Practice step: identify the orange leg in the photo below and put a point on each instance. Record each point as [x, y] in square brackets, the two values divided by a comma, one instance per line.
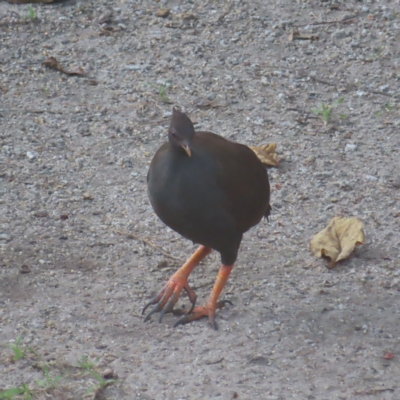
[169, 295]
[208, 310]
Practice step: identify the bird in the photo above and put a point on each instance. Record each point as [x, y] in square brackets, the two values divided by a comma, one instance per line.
[211, 191]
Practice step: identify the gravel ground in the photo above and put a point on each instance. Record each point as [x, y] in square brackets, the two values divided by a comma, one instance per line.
[82, 250]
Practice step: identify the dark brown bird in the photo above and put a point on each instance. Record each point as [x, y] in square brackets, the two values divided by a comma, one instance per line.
[211, 191]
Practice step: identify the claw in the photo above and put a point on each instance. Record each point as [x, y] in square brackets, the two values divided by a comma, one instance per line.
[200, 312]
[154, 310]
[169, 295]
[168, 308]
[160, 299]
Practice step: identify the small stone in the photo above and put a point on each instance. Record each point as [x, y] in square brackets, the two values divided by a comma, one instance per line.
[389, 15]
[87, 196]
[371, 178]
[346, 17]
[339, 34]
[108, 373]
[132, 67]
[387, 285]
[63, 217]
[350, 147]
[24, 269]
[31, 155]
[41, 214]
[127, 163]
[5, 236]
[395, 183]
[211, 96]
[258, 121]
[83, 129]
[162, 12]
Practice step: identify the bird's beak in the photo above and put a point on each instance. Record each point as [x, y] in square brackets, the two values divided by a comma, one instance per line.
[186, 147]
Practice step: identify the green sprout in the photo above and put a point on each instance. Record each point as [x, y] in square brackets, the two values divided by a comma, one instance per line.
[325, 111]
[31, 13]
[19, 350]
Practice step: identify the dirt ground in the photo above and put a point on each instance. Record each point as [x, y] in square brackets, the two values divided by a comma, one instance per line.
[82, 250]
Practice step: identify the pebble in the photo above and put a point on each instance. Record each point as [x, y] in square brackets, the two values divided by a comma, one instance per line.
[41, 214]
[371, 178]
[87, 196]
[31, 155]
[5, 236]
[350, 147]
[108, 373]
[339, 34]
[389, 15]
[131, 67]
[211, 96]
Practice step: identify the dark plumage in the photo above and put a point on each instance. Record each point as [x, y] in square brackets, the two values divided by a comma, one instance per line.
[210, 190]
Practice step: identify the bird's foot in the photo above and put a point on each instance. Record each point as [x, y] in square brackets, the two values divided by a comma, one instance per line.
[200, 312]
[169, 295]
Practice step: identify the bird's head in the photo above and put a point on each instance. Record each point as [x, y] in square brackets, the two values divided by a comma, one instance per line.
[181, 131]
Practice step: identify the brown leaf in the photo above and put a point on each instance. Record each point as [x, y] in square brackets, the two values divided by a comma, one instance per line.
[187, 16]
[338, 239]
[266, 154]
[162, 12]
[52, 63]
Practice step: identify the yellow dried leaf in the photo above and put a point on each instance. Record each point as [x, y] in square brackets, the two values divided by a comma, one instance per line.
[338, 239]
[162, 12]
[267, 154]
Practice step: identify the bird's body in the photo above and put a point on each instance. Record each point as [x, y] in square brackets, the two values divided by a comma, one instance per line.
[205, 207]
[210, 190]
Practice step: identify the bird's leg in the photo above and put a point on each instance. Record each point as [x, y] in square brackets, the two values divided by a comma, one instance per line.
[212, 303]
[169, 295]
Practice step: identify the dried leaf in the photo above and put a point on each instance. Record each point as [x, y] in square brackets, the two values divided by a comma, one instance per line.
[266, 154]
[338, 239]
[52, 63]
[187, 16]
[162, 12]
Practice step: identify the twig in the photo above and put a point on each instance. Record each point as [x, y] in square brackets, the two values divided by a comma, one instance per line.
[336, 21]
[378, 92]
[131, 235]
[373, 391]
[322, 81]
